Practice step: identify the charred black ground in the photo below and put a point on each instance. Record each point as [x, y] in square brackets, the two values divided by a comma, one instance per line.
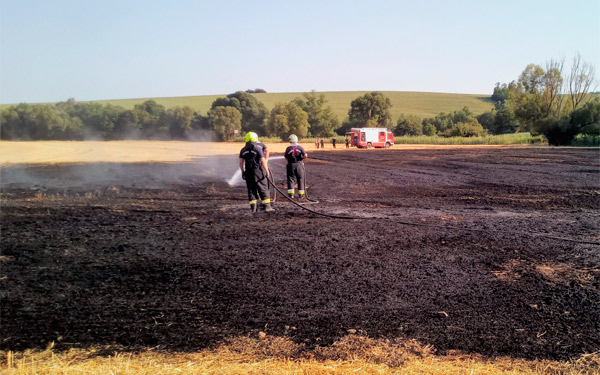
[186, 265]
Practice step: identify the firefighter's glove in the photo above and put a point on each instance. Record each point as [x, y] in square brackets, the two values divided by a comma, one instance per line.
[244, 175]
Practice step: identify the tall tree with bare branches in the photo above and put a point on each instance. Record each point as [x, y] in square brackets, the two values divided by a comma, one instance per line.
[580, 82]
[545, 101]
[553, 86]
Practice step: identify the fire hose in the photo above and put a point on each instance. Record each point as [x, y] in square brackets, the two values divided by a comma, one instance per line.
[273, 189]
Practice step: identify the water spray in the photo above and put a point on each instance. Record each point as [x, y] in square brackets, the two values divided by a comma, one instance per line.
[236, 179]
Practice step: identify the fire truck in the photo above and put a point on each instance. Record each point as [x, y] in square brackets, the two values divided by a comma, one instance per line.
[371, 137]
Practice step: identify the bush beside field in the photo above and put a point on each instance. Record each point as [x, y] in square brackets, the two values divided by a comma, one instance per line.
[502, 139]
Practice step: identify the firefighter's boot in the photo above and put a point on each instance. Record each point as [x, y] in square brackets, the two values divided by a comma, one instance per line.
[253, 206]
[268, 207]
[291, 196]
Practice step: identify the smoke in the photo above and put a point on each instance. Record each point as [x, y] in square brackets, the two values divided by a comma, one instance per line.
[200, 136]
[194, 163]
[154, 175]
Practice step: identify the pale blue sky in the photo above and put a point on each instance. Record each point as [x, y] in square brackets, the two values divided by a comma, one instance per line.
[56, 49]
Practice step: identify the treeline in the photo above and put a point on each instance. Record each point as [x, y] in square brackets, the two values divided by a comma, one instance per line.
[72, 120]
[228, 118]
[548, 101]
[542, 101]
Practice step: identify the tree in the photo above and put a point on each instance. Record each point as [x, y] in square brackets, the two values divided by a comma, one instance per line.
[540, 101]
[127, 126]
[528, 106]
[226, 122]
[200, 122]
[179, 120]
[553, 83]
[99, 121]
[371, 110]
[500, 120]
[561, 131]
[322, 121]
[38, 121]
[408, 125]
[505, 121]
[580, 82]
[286, 119]
[429, 129]
[445, 122]
[532, 79]
[441, 122]
[12, 122]
[500, 92]
[149, 117]
[470, 128]
[487, 120]
[253, 112]
[587, 118]
[345, 127]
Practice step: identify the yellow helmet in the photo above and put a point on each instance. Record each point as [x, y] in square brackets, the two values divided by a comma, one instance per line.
[251, 137]
[293, 138]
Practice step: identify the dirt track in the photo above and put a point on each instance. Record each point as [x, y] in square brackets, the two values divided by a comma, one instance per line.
[503, 258]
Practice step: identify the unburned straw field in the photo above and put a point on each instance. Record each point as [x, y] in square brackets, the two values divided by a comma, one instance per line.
[484, 250]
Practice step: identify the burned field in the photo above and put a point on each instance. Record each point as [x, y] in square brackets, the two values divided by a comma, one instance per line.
[486, 250]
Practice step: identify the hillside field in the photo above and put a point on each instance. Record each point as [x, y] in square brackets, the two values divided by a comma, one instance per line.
[422, 104]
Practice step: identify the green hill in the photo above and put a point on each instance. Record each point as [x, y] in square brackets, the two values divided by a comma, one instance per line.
[422, 104]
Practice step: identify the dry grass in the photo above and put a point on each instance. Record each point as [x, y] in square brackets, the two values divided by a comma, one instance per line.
[277, 355]
[52, 152]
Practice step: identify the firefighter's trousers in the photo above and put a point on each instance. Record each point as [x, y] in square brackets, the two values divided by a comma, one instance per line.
[258, 185]
[295, 173]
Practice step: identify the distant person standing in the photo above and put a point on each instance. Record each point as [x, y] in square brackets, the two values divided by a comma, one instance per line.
[333, 142]
[322, 143]
[347, 142]
[317, 142]
[294, 155]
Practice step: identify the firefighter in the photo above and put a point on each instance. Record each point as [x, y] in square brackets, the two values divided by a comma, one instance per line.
[295, 167]
[253, 164]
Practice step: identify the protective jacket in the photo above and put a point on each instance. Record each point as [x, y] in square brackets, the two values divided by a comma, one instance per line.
[254, 174]
[294, 155]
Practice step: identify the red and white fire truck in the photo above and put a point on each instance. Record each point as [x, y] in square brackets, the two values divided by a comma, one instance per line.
[371, 137]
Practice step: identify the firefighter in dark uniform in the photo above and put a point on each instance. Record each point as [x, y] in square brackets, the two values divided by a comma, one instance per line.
[295, 167]
[255, 171]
